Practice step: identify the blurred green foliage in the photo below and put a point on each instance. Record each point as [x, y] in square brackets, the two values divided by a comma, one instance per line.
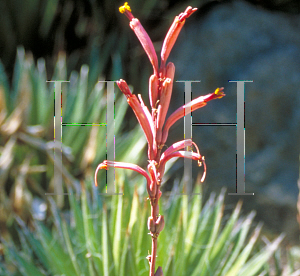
[109, 237]
[27, 133]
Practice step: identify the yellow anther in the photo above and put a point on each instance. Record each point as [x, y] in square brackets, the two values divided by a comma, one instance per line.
[220, 92]
[217, 91]
[124, 8]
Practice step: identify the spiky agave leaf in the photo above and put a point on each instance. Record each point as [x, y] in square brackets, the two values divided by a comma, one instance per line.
[26, 131]
[110, 238]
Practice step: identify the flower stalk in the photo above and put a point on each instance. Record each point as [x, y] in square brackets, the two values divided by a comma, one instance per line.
[154, 123]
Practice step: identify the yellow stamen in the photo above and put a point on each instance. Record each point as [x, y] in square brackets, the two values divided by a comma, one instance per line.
[124, 8]
[178, 21]
[103, 166]
[217, 92]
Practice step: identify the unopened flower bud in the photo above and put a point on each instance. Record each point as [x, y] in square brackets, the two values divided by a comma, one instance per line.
[160, 224]
[165, 96]
[153, 90]
[151, 189]
[151, 224]
[159, 272]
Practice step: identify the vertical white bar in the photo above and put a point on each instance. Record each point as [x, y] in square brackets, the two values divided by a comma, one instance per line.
[187, 174]
[58, 180]
[57, 177]
[240, 140]
[110, 136]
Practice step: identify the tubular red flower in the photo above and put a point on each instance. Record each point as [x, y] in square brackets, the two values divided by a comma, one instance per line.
[164, 100]
[124, 88]
[147, 113]
[153, 90]
[105, 164]
[184, 154]
[146, 42]
[165, 97]
[166, 93]
[152, 152]
[173, 34]
[158, 132]
[142, 35]
[152, 170]
[193, 105]
[177, 146]
[142, 114]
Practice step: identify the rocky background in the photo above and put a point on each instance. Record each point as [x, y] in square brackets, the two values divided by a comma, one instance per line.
[237, 40]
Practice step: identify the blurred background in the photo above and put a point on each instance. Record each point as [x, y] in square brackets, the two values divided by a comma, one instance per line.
[86, 41]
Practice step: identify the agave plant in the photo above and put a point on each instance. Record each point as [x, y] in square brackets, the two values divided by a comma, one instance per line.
[107, 236]
[27, 133]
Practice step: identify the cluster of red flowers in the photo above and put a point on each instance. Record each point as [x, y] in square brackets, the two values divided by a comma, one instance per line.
[154, 123]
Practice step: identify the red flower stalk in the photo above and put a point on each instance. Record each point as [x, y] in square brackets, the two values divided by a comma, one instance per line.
[155, 125]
